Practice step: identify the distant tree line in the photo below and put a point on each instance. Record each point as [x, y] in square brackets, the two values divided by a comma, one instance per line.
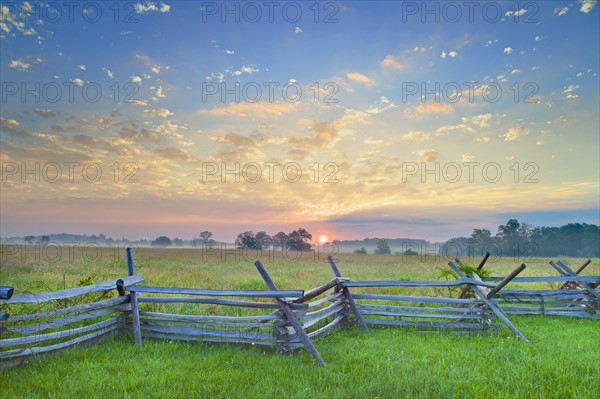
[525, 240]
[297, 240]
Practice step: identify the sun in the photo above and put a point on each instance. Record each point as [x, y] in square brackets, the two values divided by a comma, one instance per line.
[323, 239]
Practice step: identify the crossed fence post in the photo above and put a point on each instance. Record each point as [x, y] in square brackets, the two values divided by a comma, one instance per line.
[488, 296]
[291, 316]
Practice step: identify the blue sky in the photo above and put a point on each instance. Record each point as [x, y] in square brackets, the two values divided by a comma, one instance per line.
[417, 142]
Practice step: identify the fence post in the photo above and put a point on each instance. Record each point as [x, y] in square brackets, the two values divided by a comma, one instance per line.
[492, 306]
[348, 296]
[291, 316]
[135, 313]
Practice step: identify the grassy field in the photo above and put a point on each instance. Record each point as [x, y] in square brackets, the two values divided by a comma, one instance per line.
[561, 360]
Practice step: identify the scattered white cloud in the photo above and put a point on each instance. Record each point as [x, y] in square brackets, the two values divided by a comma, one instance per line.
[163, 112]
[82, 67]
[136, 79]
[134, 101]
[516, 13]
[538, 38]
[587, 5]
[481, 120]
[389, 61]
[297, 30]
[569, 92]
[18, 64]
[416, 136]
[143, 8]
[77, 81]
[508, 50]
[430, 108]
[561, 11]
[245, 69]
[110, 73]
[229, 52]
[159, 92]
[515, 71]
[515, 133]
[467, 158]
[359, 78]
[428, 155]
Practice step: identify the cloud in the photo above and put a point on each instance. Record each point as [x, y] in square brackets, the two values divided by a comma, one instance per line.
[173, 153]
[467, 158]
[297, 30]
[138, 102]
[245, 69]
[20, 65]
[569, 92]
[461, 127]
[416, 136]
[516, 13]
[82, 67]
[136, 79]
[143, 8]
[163, 112]
[297, 154]
[430, 108]
[561, 11]
[515, 71]
[508, 50]
[587, 5]
[359, 78]
[428, 155]
[481, 120]
[109, 73]
[45, 113]
[324, 134]
[229, 52]
[515, 133]
[391, 62]
[538, 38]
[255, 110]
[452, 54]
[77, 81]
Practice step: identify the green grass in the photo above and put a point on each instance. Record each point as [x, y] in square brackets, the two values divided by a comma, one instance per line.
[562, 359]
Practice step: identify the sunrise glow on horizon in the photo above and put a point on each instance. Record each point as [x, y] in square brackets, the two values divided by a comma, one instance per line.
[351, 119]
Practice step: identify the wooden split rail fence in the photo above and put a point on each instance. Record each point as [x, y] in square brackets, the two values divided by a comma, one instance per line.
[574, 295]
[35, 324]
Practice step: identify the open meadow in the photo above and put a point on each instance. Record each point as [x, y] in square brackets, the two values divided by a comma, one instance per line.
[561, 360]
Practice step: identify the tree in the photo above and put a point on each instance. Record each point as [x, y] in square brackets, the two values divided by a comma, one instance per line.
[279, 240]
[29, 239]
[45, 239]
[247, 240]
[410, 252]
[299, 240]
[162, 241]
[383, 248]
[480, 242]
[177, 242]
[263, 240]
[204, 239]
[361, 251]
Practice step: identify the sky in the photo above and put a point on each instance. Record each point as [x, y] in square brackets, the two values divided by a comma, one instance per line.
[350, 119]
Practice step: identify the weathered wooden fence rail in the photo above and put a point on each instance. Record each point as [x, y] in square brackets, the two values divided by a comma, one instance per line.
[66, 320]
[283, 319]
[577, 295]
